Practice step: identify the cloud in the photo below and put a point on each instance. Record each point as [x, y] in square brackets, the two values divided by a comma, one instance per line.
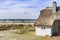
[23, 9]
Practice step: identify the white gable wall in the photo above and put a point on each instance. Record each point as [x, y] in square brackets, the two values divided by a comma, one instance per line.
[43, 32]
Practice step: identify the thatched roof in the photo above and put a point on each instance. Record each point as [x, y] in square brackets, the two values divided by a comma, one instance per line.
[47, 18]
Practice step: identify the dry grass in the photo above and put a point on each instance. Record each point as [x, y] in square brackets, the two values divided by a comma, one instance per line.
[19, 32]
[9, 35]
[10, 26]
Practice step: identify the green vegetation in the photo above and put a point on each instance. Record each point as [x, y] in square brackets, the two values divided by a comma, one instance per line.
[44, 38]
[19, 32]
[9, 35]
[11, 26]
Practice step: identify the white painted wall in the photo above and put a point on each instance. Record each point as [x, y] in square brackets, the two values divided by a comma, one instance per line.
[43, 32]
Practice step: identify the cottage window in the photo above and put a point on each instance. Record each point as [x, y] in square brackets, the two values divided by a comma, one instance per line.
[42, 27]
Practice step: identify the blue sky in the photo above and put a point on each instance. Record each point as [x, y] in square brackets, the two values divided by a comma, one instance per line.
[23, 9]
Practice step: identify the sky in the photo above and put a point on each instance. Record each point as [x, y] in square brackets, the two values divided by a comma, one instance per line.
[23, 9]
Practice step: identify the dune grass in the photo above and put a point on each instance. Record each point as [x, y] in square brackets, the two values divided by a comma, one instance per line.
[28, 36]
[44, 38]
[15, 32]
[11, 35]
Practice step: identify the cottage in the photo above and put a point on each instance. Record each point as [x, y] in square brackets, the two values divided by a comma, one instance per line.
[48, 22]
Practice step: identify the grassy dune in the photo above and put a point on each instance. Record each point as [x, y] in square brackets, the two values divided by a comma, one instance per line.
[10, 26]
[19, 32]
[10, 35]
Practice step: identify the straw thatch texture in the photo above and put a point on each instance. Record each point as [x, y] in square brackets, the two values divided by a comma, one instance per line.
[47, 18]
